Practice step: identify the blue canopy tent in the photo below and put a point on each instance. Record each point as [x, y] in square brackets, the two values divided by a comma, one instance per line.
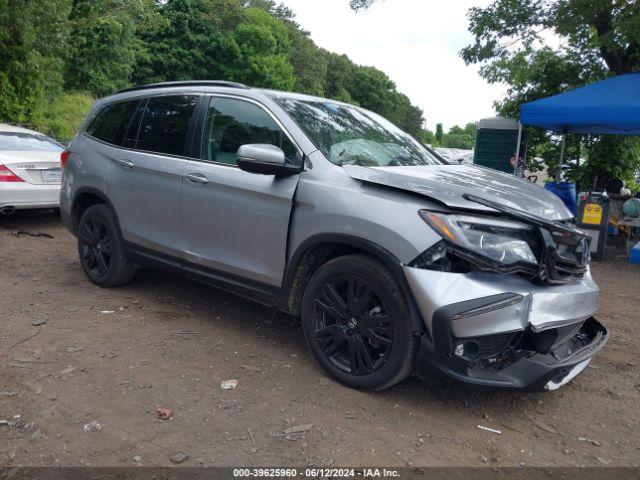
[611, 106]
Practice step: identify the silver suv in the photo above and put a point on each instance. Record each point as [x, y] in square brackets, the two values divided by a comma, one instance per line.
[395, 261]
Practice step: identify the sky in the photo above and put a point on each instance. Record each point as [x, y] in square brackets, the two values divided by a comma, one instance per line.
[416, 43]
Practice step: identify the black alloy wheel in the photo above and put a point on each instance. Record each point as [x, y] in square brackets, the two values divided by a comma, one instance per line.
[95, 245]
[101, 248]
[351, 325]
[357, 323]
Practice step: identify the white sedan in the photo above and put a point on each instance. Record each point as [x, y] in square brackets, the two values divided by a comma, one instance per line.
[30, 172]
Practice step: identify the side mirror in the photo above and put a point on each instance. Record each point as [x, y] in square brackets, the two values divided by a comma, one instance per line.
[262, 158]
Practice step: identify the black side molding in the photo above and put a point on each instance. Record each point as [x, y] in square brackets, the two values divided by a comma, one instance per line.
[250, 289]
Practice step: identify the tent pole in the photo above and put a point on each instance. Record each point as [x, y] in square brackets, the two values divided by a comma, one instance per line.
[517, 155]
[559, 169]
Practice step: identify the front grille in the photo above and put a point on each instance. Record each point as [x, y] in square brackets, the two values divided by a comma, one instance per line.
[492, 345]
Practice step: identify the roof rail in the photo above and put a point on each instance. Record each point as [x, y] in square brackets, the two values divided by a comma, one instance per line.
[186, 83]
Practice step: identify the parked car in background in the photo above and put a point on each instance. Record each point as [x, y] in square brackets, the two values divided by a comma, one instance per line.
[455, 155]
[30, 173]
[395, 261]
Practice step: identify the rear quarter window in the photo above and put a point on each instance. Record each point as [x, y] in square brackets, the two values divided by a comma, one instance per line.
[113, 121]
[165, 124]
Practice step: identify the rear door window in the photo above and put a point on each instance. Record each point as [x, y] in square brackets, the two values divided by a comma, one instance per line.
[232, 123]
[112, 122]
[132, 132]
[165, 124]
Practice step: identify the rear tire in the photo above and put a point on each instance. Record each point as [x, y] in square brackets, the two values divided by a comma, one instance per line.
[357, 323]
[101, 248]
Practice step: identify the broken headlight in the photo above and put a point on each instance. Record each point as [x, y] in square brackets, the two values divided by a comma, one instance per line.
[483, 240]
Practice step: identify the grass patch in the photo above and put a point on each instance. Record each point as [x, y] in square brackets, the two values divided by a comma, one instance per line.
[61, 118]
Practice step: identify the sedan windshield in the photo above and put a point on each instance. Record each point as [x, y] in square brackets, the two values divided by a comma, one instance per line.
[26, 142]
[349, 135]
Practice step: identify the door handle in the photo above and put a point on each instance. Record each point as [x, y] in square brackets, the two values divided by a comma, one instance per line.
[125, 164]
[197, 178]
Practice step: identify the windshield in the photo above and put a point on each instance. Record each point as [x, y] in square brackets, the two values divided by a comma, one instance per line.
[349, 135]
[26, 142]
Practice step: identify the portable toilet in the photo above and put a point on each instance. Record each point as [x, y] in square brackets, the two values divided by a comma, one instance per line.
[496, 143]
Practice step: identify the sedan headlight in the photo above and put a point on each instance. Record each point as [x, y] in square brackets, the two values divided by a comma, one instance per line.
[504, 242]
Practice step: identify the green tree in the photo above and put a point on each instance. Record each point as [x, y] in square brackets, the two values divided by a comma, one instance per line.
[407, 116]
[104, 46]
[459, 137]
[61, 116]
[598, 38]
[261, 50]
[225, 14]
[371, 89]
[52, 52]
[185, 46]
[310, 66]
[619, 155]
[427, 136]
[278, 10]
[339, 77]
[33, 35]
[361, 4]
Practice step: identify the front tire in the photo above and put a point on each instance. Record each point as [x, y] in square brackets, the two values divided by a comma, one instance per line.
[101, 248]
[357, 323]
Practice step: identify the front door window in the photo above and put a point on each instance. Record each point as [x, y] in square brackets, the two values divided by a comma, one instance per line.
[232, 123]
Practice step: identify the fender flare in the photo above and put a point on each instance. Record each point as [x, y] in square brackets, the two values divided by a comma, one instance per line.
[373, 249]
[96, 193]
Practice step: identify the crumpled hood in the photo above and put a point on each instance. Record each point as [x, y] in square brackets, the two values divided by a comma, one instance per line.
[448, 183]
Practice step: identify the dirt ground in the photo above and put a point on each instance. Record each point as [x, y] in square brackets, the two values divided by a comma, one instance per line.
[112, 356]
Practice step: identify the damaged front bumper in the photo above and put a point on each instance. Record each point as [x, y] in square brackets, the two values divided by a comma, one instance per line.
[522, 367]
[503, 331]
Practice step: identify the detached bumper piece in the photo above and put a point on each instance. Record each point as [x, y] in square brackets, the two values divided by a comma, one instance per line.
[524, 360]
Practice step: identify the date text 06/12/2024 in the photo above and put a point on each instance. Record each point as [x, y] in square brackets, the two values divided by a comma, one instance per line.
[316, 473]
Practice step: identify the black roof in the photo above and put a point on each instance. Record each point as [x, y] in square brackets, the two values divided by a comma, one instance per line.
[186, 83]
